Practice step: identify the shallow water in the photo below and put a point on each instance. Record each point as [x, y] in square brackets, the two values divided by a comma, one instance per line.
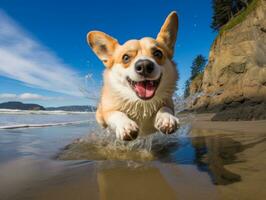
[10, 119]
[193, 164]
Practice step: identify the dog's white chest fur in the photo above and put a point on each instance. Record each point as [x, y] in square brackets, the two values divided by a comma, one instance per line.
[143, 114]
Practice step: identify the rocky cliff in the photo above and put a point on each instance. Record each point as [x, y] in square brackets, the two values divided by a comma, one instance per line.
[236, 72]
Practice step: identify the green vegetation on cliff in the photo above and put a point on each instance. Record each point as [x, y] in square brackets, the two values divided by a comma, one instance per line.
[228, 13]
[240, 17]
[225, 10]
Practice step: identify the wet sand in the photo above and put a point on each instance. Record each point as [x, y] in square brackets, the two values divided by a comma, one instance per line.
[251, 162]
[203, 121]
[208, 160]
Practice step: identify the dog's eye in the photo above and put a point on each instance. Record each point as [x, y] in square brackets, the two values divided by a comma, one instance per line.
[158, 54]
[126, 58]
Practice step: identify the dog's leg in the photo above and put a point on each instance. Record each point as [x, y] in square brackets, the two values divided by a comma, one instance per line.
[125, 128]
[165, 121]
[99, 117]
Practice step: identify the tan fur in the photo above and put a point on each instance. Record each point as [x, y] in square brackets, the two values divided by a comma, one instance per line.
[115, 96]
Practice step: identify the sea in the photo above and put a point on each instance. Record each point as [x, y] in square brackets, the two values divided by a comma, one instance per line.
[12, 119]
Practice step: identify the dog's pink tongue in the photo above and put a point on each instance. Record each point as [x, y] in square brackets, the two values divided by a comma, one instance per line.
[150, 89]
[140, 88]
[145, 89]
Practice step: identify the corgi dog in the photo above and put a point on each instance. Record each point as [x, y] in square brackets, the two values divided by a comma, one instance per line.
[138, 82]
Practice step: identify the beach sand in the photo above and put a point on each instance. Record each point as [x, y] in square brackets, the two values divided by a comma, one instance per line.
[207, 160]
[203, 121]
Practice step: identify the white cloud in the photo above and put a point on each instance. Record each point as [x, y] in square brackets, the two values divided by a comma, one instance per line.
[31, 96]
[23, 96]
[25, 59]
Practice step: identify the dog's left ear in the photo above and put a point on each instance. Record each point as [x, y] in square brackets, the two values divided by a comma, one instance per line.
[168, 32]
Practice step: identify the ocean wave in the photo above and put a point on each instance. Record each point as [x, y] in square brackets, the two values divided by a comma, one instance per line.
[42, 112]
[16, 126]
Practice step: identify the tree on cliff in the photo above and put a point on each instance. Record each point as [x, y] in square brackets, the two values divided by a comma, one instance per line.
[198, 65]
[186, 91]
[197, 68]
[224, 10]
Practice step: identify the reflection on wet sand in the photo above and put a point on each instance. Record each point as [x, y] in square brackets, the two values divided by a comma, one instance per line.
[231, 157]
[213, 153]
[131, 180]
[115, 180]
[129, 183]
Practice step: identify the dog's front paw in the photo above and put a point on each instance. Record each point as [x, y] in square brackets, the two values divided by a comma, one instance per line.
[127, 130]
[166, 123]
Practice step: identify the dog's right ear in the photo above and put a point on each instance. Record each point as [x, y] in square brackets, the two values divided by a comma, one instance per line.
[103, 46]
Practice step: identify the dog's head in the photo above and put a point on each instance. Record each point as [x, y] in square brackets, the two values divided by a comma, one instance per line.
[139, 69]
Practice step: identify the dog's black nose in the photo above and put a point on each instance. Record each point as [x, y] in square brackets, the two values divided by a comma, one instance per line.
[144, 67]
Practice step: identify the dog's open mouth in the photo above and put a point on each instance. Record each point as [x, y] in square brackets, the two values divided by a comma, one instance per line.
[144, 89]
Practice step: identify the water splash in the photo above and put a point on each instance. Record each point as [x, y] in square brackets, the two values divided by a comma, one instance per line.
[90, 88]
[103, 145]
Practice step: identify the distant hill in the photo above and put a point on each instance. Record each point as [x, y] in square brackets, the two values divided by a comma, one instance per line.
[73, 108]
[23, 106]
[20, 106]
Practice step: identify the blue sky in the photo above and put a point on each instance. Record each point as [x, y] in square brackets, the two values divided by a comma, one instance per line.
[44, 57]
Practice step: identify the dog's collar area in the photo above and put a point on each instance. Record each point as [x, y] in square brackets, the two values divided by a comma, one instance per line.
[145, 89]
